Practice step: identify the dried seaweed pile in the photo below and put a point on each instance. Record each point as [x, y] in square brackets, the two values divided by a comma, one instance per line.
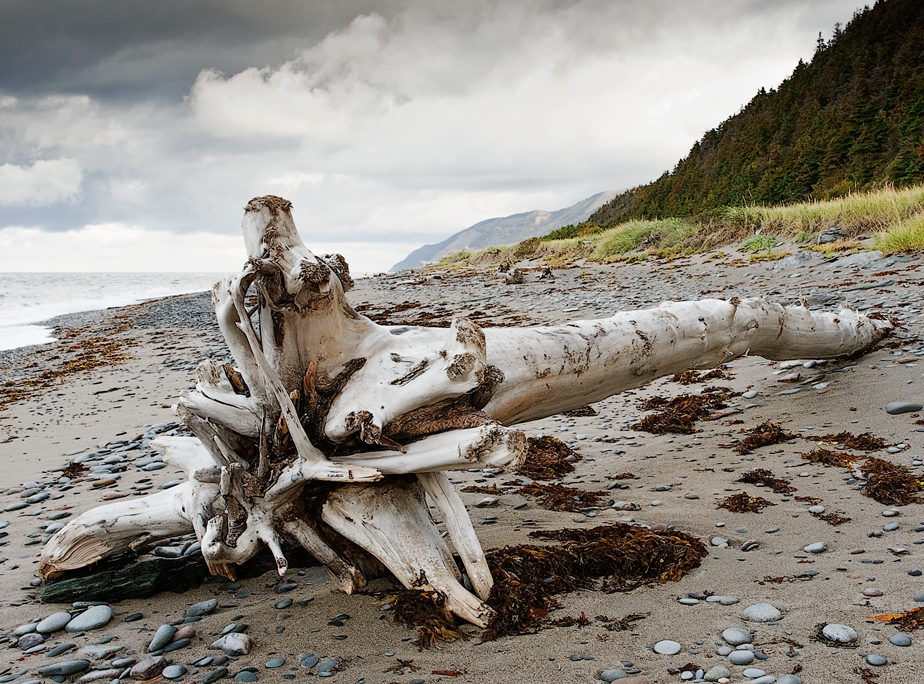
[906, 622]
[526, 577]
[426, 611]
[691, 377]
[581, 412]
[765, 477]
[556, 497]
[847, 440]
[832, 519]
[890, 484]
[762, 435]
[82, 355]
[838, 459]
[547, 458]
[677, 415]
[742, 503]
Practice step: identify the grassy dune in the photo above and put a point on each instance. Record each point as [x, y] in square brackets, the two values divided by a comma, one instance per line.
[893, 218]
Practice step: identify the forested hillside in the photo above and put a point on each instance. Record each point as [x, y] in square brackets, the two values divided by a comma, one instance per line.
[850, 120]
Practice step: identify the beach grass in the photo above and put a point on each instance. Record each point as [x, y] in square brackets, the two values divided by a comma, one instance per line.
[894, 218]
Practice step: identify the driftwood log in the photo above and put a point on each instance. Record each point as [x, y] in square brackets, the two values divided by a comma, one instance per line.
[335, 431]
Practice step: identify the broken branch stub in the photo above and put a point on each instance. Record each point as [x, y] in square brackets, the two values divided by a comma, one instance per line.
[334, 430]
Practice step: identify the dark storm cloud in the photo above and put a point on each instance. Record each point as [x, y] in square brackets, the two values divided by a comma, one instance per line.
[139, 48]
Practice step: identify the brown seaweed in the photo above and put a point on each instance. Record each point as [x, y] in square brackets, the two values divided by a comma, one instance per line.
[837, 459]
[765, 477]
[426, 611]
[762, 435]
[890, 484]
[832, 519]
[693, 376]
[527, 577]
[677, 415]
[556, 497]
[580, 412]
[742, 503]
[847, 440]
[547, 458]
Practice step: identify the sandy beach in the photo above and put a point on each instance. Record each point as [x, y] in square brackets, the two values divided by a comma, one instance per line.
[111, 379]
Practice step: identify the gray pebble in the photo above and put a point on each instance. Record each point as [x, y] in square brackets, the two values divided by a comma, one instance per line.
[741, 657]
[307, 660]
[162, 637]
[93, 617]
[173, 671]
[202, 608]
[27, 641]
[215, 675]
[716, 673]
[876, 660]
[839, 633]
[276, 662]
[789, 679]
[245, 676]
[234, 644]
[753, 672]
[609, 676]
[897, 407]
[817, 547]
[68, 667]
[900, 640]
[736, 636]
[761, 612]
[667, 647]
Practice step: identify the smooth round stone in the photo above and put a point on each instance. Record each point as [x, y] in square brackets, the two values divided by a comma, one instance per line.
[816, 509]
[173, 671]
[817, 547]
[872, 592]
[719, 541]
[68, 667]
[245, 676]
[307, 660]
[714, 674]
[162, 637]
[765, 679]
[842, 634]
[27, 641]
[724, 650]
[890, 527]
[276, 662]
[736, 636]
[24, 629]
[750, 394]
[234, 644]
[202, 608]
[610, 676]
[753, 673]
[789, 679]
[876, 660]
[688, 601]
[667, 647]
[741, 657]
[724, 600]
[900, 640]
[284, 603]
[761, 612]
[93, 617]
[896, 407]
[215, 675]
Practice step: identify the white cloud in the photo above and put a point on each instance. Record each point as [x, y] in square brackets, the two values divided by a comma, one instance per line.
[45, 182]
[117, 247]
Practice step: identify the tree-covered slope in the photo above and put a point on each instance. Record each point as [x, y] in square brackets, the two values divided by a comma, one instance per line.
[851, 120]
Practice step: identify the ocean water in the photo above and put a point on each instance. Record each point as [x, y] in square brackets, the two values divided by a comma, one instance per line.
[27, 299]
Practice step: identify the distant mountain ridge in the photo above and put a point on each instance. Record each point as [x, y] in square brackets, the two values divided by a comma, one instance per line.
[507, 230]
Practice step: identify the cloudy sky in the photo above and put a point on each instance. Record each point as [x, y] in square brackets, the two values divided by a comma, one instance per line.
[132, 133]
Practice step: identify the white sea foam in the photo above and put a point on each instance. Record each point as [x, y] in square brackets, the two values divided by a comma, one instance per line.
[30, 298]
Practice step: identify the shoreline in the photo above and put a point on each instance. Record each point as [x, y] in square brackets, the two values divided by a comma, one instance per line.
[687, 475]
